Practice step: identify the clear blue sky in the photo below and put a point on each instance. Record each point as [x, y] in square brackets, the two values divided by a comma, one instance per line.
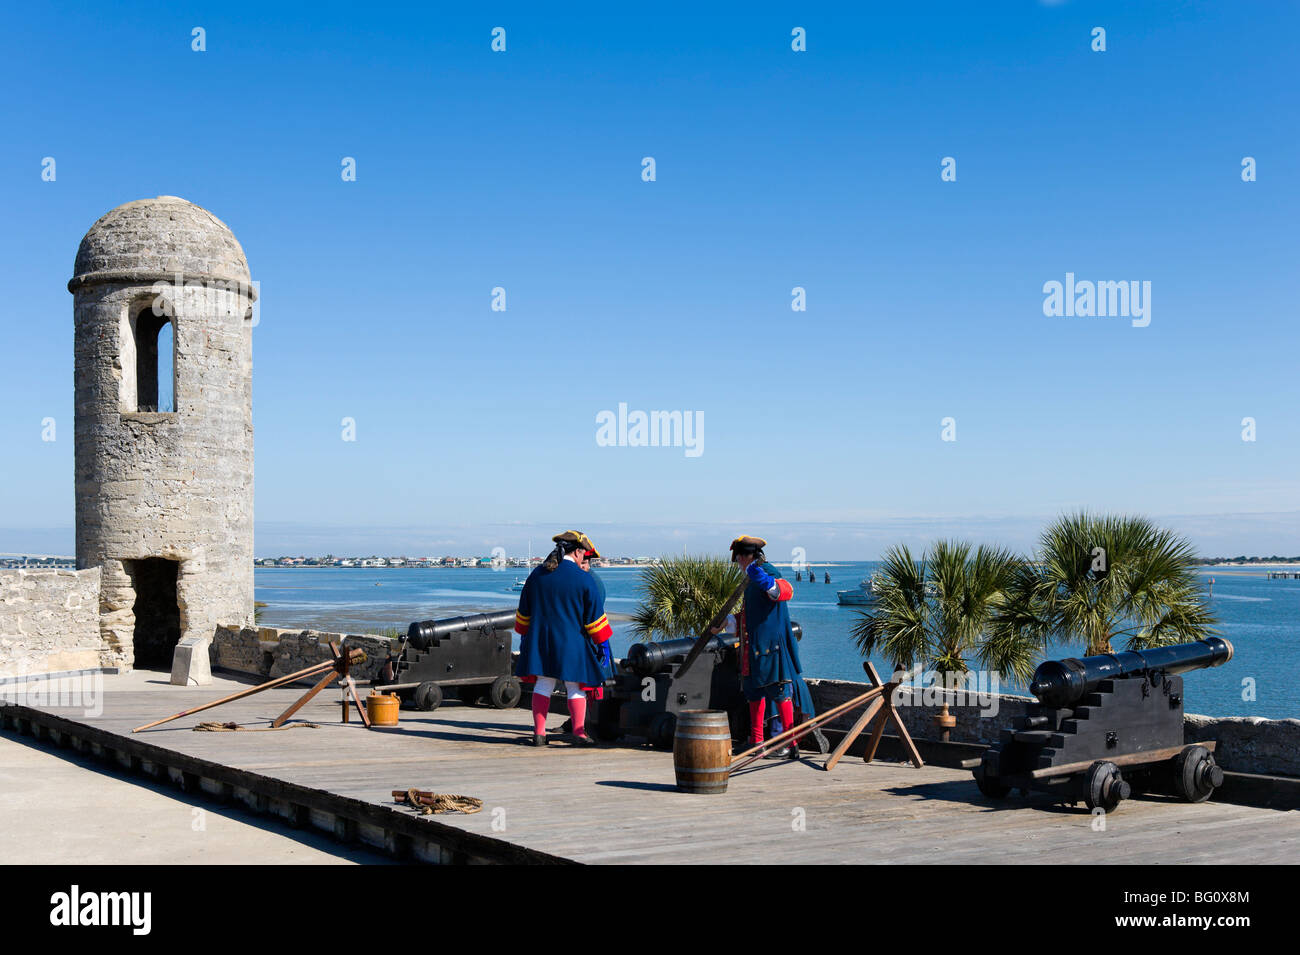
[775, 169]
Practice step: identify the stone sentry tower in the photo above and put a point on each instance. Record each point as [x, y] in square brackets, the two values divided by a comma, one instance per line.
[164, 427]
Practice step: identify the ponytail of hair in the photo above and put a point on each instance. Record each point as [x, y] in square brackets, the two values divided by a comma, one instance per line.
[561, 549]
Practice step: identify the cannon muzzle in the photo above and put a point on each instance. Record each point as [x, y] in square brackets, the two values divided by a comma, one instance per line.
[1062, 683]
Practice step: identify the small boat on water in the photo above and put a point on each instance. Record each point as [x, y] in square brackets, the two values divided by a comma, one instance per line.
[864, 596]
[518, 585]
[855, 598]
[868, 590]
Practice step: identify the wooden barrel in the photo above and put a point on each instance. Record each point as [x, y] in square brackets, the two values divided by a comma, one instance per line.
[702, 751]
[382, 709]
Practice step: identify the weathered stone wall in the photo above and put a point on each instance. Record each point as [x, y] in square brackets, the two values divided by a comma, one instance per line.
[269, 652]
[49, 621]
[1246, 744]
[175, 485]
[975, 724]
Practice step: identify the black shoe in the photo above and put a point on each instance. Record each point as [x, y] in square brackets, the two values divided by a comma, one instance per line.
[788, 751]
[535, 740]
[576, 740]
[566, 726]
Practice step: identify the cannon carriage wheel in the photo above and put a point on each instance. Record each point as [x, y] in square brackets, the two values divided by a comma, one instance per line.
[504, 692]
[662, 730]
[428, 696]
[1196, 775]
[1104, 787]
[989, 784]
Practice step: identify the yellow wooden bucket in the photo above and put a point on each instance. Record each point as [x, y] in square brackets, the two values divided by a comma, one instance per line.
[382, 709]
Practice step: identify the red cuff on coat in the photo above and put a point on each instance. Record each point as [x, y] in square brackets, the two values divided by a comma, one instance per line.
[599, 629]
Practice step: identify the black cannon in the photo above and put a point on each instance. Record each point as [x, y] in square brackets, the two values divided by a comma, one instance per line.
[471, 653]
[645, 694]
[1105, 727]
[424, 634]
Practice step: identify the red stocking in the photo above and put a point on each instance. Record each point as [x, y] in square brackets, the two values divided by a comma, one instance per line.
[541, 706]
[578, 711]
[787, 715]
[756, 720]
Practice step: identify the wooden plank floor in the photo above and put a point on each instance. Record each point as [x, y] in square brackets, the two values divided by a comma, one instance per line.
[618, 804]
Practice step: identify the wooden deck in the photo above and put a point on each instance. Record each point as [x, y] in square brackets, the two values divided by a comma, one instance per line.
[618, 804]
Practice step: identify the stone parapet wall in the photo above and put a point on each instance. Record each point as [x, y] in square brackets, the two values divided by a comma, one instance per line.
[1249, 744]
[1246, 744]
[49, 621]
[975, 723]
[271, 652]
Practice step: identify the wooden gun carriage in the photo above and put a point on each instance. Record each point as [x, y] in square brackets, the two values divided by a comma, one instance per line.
[1105, 727]
[469, 653]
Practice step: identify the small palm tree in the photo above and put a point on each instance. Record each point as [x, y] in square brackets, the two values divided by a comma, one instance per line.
[680, 596]
[1107, 578]
[938, 611]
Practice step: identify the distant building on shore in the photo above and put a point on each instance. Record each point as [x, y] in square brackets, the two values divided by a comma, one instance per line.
[39, 563]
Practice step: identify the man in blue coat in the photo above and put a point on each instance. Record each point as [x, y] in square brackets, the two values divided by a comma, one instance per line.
[561, 622]
[607, 656]
[769, 654]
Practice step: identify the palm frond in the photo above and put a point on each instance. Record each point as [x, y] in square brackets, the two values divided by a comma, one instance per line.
[1108, 576]
[681, 596]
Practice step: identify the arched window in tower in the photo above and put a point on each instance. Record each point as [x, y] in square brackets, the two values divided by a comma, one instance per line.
[149, 359]
[166, 363]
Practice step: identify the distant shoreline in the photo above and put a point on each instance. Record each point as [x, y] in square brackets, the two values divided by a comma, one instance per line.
[1246, 570]
[258, 566]
[1235, 566]
[506, 569]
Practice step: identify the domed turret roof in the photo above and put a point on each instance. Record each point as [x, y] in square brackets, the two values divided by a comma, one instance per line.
[152, 239]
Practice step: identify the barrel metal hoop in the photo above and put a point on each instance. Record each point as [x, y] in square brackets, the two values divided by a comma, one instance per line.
[699, 772]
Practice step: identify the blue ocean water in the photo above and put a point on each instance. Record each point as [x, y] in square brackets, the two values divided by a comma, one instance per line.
[1258, 615]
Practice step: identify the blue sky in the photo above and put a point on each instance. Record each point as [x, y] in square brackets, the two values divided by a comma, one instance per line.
[775, 169]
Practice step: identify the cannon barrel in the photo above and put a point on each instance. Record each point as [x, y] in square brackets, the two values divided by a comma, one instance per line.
[423, 634]
[647, 659]
[1061, 683]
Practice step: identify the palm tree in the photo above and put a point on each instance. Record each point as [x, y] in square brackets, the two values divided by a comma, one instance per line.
[681, 596]
[1106, 578]
[939, 611]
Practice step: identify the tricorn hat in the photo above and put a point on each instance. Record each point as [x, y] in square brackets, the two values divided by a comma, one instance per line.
[744, 544]
[579, 540]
